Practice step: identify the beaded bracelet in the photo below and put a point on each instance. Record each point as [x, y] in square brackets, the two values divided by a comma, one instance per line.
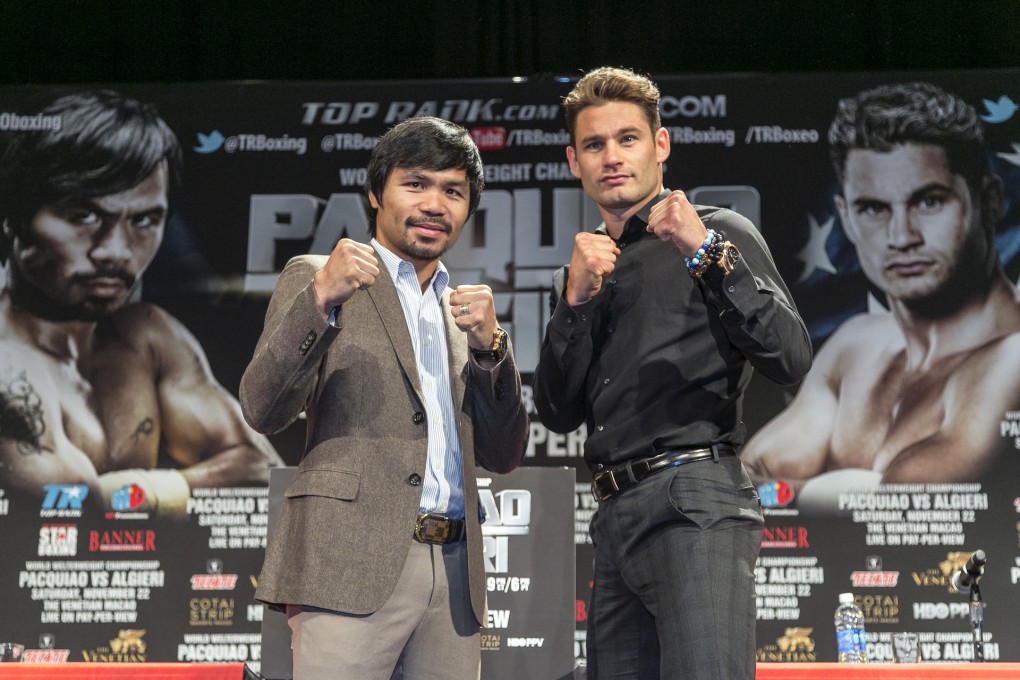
[708, 253]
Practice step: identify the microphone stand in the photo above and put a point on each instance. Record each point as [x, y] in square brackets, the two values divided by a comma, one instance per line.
[977, 617]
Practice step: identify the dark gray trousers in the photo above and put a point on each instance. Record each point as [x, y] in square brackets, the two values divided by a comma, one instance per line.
[673, 595]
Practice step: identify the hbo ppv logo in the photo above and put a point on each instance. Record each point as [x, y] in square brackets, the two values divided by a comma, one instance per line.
[924, 611]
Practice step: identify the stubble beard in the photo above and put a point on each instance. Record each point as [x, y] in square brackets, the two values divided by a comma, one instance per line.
[33, 299]
[417, 250]
[960, 284]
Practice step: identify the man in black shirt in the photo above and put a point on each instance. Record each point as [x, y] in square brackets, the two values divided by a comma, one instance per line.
[667, 309]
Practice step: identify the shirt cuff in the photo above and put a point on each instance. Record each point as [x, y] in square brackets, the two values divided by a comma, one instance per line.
[334, 317]
[576, 319]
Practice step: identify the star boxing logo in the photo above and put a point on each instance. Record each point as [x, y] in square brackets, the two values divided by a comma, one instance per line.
[58, 540]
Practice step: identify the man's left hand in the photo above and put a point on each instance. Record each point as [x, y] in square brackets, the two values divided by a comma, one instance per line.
[475, 313]
[675, 219]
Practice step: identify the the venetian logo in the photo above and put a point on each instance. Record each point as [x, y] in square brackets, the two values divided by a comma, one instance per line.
[942, 574]
[795, 644]
[127, 647]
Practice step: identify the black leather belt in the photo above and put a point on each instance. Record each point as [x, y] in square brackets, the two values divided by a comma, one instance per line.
[438, 530]
[607, 483]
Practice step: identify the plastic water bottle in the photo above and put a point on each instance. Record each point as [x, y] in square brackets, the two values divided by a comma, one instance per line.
[850, 641]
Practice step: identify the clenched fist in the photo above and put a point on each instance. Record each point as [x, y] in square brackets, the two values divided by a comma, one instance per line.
[674, 219]
[351, 265]
[474, 312]
[593, 258]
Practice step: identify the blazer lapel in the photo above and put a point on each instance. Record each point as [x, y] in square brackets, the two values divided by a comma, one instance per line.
[457, 351]
[384, 296]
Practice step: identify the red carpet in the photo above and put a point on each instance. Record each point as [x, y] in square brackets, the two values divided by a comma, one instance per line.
[889, 671]
[766, 671]
[123, 671]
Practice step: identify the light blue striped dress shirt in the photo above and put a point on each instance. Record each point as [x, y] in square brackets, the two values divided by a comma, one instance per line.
[442, 493]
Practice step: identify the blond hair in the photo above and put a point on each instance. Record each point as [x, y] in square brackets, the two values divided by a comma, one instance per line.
[609, 84]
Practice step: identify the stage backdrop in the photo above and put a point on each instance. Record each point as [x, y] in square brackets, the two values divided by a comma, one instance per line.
[272, 170]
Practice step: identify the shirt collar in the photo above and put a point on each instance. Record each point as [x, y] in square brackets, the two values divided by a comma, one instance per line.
[634, 229]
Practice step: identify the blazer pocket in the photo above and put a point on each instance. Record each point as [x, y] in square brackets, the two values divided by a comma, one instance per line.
[340, 484]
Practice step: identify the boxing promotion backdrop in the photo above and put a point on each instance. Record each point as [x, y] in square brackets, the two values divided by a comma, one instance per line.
[272, 170]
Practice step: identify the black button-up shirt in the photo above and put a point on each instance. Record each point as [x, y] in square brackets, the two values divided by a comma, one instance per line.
[658, 361]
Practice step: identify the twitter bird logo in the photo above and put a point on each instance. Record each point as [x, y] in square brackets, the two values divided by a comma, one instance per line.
[211, 142]
[1000, 111]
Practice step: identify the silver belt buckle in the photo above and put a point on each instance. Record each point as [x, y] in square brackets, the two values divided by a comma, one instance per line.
[595, 489]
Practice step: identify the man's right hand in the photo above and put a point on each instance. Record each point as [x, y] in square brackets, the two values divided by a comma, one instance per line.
[593, 258]
[351, 265]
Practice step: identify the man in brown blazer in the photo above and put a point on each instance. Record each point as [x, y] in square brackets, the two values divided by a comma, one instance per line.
[406, 386]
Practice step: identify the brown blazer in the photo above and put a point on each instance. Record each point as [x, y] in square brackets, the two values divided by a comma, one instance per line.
[348, 517]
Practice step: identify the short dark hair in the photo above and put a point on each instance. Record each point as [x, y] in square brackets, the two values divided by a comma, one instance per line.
[609, 84]
[911, 113]
[104, 143]
[429, 143]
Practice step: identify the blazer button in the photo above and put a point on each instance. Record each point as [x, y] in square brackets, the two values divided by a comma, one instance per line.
[414, 479]
[418, 417]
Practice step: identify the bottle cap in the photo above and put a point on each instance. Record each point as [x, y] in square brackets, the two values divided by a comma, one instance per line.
[846, 598]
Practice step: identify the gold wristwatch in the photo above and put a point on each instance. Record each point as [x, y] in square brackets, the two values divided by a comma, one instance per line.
[729, 258]
[496, 352]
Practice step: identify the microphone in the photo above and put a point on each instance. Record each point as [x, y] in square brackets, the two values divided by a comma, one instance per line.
[969, 573]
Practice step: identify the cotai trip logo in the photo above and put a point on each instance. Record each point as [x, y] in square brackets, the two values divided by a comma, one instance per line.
[211, 611]
[491, 643]
[795, 644]
[883, 609]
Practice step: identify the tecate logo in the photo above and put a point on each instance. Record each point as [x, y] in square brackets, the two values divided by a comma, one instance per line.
[874, 579]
